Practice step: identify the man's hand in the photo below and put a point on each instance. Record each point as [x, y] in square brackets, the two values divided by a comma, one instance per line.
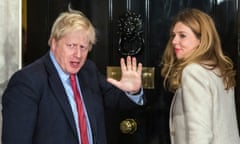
[131, 78]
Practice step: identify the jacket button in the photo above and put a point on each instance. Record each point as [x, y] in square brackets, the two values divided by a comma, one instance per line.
[172, 133]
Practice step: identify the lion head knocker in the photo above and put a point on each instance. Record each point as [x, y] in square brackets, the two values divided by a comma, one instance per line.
[130, 31]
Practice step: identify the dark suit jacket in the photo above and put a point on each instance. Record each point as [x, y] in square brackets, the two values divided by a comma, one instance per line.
[36, 109]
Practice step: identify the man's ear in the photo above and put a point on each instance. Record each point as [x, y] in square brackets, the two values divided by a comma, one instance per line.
[52, 43]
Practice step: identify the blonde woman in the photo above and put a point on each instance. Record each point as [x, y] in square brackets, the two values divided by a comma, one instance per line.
[202, 77]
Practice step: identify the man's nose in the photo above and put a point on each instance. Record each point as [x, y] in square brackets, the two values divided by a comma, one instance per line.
[78, 52]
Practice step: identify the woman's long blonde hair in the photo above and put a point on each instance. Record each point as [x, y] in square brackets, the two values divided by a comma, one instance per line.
[209, 49]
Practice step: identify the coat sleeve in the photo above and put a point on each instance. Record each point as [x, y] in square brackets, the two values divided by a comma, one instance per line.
[19, 111]
[197, 104]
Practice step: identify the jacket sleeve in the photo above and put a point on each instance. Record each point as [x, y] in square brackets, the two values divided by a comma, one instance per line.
[197, 104]
[19, 111]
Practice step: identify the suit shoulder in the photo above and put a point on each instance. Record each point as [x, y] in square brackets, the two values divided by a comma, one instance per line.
[33, 73]
[89, 64]
[196, 71]
[195, 68]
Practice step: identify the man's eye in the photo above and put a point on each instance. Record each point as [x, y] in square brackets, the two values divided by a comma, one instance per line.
[82, 47]
[71, 45]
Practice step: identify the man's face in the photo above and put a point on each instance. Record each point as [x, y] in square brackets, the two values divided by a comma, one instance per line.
[71, 51]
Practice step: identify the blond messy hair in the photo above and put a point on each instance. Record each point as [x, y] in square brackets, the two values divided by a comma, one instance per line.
[70, 21]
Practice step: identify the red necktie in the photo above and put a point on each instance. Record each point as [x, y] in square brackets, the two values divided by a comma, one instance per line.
[81, 116]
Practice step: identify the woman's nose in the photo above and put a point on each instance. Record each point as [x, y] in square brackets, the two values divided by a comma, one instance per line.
[174, 40]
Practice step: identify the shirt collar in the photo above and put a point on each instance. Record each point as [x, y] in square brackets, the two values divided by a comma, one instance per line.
[61, 73]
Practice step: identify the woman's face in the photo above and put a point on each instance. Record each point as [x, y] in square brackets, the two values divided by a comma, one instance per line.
[184, 41]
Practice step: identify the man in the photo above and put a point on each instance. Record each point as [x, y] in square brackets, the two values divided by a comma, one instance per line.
[39, 104]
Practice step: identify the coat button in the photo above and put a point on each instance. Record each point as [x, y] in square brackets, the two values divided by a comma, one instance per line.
[172, 133]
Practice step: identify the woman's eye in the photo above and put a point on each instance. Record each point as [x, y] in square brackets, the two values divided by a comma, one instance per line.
[182, 36]
[173, 35]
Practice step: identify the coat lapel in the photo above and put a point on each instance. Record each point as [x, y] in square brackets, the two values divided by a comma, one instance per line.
[59, 92]
[171, 126]
[88, 99]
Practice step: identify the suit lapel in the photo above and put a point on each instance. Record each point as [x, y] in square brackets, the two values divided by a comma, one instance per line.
[171, 126]
[88, 99]
[59, 92]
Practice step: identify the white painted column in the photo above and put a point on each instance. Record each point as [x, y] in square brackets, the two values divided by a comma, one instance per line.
[10, 42]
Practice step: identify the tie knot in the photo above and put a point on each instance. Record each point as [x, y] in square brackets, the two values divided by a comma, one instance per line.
[72, 77]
